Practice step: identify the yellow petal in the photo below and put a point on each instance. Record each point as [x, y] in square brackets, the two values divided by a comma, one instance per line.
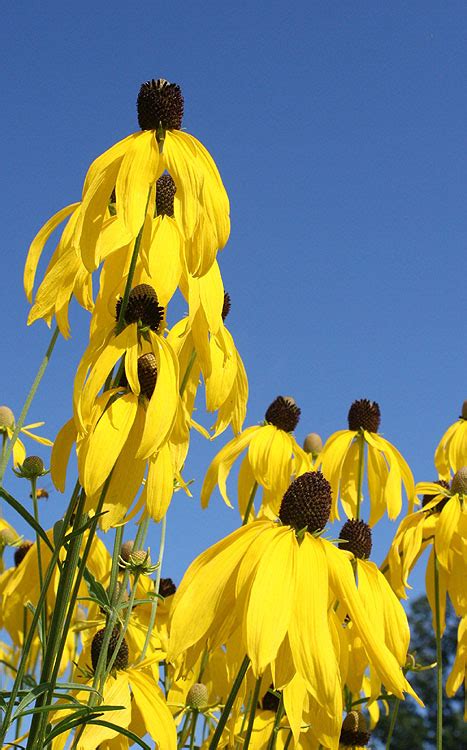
[220, 467]
[107, 441]
[159, 483]
[154, 710]
[136, 175]
[162, 407]
[61, 454]
[37, 246]
[447, 524]
[271, 599]
[309, 634]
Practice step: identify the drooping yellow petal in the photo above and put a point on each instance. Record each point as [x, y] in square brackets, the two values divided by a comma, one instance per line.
[127, 476]
[107, 441]
[155, 711]
[116, 693]
[180, 161]
[309, 634]
[447, 524]
[159, 486]
[431, 591]
[331, 459]
[162, 407]
[208, 583]
[220, 467]
[163, 260]
[271, 599]
[136, 175]
[61, 454]
[294, 699]
[37, 246]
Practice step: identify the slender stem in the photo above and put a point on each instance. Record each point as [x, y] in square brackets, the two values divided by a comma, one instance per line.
[152, 616]
[439, 660]
[39, 720]
[277, 721]
[361, 460]
[189, 368]
[251, 718]
[131, 273]
[229, 703]
[193, 728]
[43, 621]
[288, 740]
[27, 403]
[249, 506]
[392, 723]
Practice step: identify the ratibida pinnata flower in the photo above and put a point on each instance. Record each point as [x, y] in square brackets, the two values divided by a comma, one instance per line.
[235, 586]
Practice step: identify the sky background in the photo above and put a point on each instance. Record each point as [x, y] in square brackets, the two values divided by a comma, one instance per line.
[339, 131]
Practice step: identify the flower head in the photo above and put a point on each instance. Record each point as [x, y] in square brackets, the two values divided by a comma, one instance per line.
[8, 426]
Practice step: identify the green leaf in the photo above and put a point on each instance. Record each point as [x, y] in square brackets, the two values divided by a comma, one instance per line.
[58, 533]
[122, 730]
[30, 697]
[96, 589]
[26, 515]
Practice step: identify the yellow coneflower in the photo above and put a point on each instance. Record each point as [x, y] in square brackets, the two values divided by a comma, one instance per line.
[7, 428]
[273, 455]
[342, 462]
[238, 582]
[451, 453]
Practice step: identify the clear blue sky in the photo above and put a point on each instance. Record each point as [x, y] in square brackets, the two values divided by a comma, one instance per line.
[339, 129]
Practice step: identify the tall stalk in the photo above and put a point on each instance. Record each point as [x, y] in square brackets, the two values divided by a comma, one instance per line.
[439, 660]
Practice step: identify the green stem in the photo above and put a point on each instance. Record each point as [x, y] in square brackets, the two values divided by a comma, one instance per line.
[392, 723]
[22, 417]
[288, 740]
[277, 721]
[361, 461]
[131, 272]
[229, 703]
[39, 720]
[249, 506]
[43, 621]
[251, 718]
[152, 616]
[193, 728]
[439, 660]
[189, 368]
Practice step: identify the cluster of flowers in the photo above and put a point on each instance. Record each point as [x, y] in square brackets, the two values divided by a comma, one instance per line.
[277, 635]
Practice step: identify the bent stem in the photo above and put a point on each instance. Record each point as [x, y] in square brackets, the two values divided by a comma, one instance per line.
[22, 417]
[229, 703]
[157, 582]
[439, 660]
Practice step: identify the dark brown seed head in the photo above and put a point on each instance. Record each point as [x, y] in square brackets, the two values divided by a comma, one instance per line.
[226, 306]
[355, 537]
[143, 306]
[269, 701]
[7, 418]
[160, 105]
[165, 194]
[21, 552]
[354, 730]
[459, 482]
[283, 413]
[364, 415]
[428, 498]
[122, 658]
[307, 502]
[167, 587]
[464, 410]
[147, 374]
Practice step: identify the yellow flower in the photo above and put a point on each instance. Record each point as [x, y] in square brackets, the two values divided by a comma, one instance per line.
[141, 706]
[451, 453]
[342, 462]
[238, 583]
[273, 454]
[132, 166]
[7, 428]
[458, 673]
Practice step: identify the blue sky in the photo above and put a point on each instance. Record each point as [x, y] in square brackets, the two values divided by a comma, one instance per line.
[339, 130]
